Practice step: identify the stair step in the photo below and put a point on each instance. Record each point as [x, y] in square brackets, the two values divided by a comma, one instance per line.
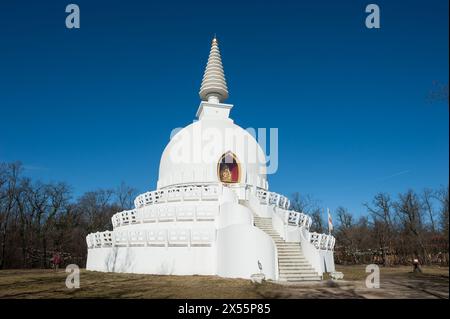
[299, 279]
[284, 255]
[300, 272]
[294, 275]
[297, 274]
[282, 242]
[294, 265]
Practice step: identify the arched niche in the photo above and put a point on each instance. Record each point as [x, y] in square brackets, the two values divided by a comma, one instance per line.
[229, 169]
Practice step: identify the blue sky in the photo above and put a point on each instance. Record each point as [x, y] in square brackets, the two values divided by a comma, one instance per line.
[95, 106]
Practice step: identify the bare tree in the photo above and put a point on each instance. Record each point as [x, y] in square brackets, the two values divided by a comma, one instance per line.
[409, 210]
[125, 196]
[304, 203]
[427, 200]
[382, 223]
[318, 224]
[98, 208]
[10, 174]
[443, 196]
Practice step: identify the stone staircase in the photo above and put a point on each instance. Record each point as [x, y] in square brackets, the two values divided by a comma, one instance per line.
[292, 265]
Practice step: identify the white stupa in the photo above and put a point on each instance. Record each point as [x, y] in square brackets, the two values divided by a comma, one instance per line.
[212, 212]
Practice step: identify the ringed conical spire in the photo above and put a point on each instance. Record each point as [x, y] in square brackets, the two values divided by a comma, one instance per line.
[214, 86]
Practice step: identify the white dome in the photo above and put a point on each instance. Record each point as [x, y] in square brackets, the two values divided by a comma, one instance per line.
[194, 153]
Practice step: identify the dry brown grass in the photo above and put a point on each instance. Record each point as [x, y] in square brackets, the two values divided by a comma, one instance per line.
[397, 282]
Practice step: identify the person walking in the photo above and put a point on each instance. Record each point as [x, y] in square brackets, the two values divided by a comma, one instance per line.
[56, 260]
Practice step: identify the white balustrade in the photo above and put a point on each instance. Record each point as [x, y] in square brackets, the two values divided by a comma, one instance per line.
[263, 196]
[185, 213]
[90, 241]
[120, 238]
[97, 239]
[201, 237]
[165, 213]
[157, 237]
[323, 241]
[106, 239]
[174, 195]
[178, 237]
[177, 194]
[210, 193]
[294, 218]
[152, 237]
[271, 198]
[192, 193]
[315, 240]
[137, 238]
[205, 213]
[149, 214]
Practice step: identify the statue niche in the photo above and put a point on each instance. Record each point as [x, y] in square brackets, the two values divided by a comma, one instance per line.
[229, 169]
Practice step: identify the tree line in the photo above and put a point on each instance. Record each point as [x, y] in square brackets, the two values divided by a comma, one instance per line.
[391, 230]
[39, 219]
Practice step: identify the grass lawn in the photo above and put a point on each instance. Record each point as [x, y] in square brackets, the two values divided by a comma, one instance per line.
[396, 282]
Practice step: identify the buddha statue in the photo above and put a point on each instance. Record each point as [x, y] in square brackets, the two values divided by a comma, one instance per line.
[225, 174]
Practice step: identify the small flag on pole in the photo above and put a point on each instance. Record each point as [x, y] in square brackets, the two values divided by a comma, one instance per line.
[330, 222]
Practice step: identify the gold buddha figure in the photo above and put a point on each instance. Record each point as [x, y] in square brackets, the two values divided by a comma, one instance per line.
[225, 174]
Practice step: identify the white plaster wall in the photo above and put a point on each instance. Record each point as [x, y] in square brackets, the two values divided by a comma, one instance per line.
[228, 196]
[153, 260]
[260, 210]
[327, 260]
[232, 214]
[310, 252]
[292, 233]
[239, 247]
